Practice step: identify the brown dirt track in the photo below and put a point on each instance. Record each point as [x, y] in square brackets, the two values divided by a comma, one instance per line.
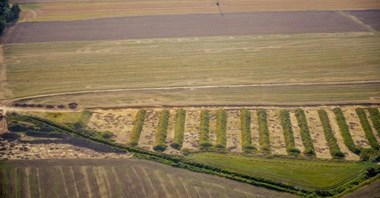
[183, 26]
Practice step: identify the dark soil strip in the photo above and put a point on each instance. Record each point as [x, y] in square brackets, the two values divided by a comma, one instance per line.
[191, 25]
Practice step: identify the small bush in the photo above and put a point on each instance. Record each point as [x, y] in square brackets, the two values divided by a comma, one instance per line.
[137, 128]
[345, 132]
[162, 131]
[367, 128]
[179, 129]
[305, 133]
[106, 135]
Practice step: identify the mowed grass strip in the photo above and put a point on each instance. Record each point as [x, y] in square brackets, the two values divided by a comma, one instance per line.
[204, 130]
[375, 118]
[331, 140]
[221, 128]
[345, 131]
[104, 65]
[137, 127]
[367, 128]
[305, 133]
[246, 138]
[162, 130]
[263, 130]
[288, 133]
[305, 173]
[179, 129]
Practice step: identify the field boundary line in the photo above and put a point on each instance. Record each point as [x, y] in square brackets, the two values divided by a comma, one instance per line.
[198, 87]
[357, 21]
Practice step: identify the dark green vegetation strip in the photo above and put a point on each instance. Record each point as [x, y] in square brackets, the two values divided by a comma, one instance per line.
[331, 140]
[305, 133]
[162, 131]
[345, 132]
[367, 128]
[245, 120]
[288, 133]
[179, 129]
[221, 127]
[263, 130]
[375, 118]
[8, 14]
[137, 127]
[204, 130]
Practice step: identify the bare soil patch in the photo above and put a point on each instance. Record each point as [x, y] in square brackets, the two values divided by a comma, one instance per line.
[276, 134]
[233, 132]
[296, 132]
[182, 26]
[191, 134]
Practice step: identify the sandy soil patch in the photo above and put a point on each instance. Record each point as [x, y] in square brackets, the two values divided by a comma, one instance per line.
[119, 122]
[296, 132]
[254, 129]
[148, 133]
[233, 132]
[317, 134]
[191, 135]
[355, 127]
[276, 134]
[335, 128]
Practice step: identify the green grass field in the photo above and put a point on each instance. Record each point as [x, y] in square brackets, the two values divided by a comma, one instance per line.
[305, 173]
[42, 68]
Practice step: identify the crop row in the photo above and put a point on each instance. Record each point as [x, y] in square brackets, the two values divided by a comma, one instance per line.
[179, 129]
[162, 130]
[375, 118]
[305, 133]
[246, 141]
[345, 132]
[331, 140]
[288, 133]
[264, 140]
[367, 128]
[221, 128]
[137, 127]
[204, 130]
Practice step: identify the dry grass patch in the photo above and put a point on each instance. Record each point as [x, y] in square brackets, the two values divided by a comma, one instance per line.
[355, 127]
[233, 132]
[191, 136]
[276, 134]
[149, 130]
[296, 132]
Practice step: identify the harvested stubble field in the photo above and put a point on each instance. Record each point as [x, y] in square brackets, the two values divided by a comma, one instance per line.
[100, 122]
[65, 10]
[201, 65]
[115, 178]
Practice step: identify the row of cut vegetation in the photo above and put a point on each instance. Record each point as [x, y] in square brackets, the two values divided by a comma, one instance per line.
[162, 131]
[179, 129]
[263, 130]
[375, 118]
[331, 140]
[137, 127]
[204, 130]
[345, 132]
[305, 133]
[221, 127]
[245, 120]
[288, 133]
[367, 128]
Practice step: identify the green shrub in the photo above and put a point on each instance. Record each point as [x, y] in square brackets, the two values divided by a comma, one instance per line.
[263, 130]
[345, 132]
[245, 120]
[137, 128]
[204, 130]
[106, 135]
[367, 128]
[305, 133]
[162, 130]
[375, 118]
[329, 135]
[179, 129]
[221, 127]
[288, 133]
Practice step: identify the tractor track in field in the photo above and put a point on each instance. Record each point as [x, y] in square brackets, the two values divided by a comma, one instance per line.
[348, 83]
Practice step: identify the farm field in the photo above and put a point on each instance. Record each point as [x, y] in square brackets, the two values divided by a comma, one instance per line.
[203, 61]
[115, 178]
[64, 10]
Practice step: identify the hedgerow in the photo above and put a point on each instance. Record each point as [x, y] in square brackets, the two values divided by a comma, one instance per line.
[263, 130]
[305, 133]
[162, 130]
[245, 120]
[367, 128]
[204, 130]
[375, 118]
[137, 127]
[344, 131]
[179, 129]
[331, 140]
[288, 133]
[221, 127]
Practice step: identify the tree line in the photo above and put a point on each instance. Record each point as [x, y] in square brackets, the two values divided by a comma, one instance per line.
[8, 13]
